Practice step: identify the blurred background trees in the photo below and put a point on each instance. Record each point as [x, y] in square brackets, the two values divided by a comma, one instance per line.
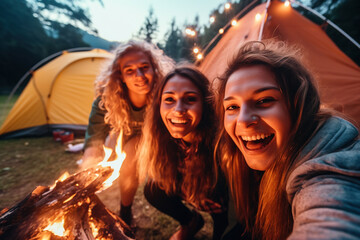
[30, 30]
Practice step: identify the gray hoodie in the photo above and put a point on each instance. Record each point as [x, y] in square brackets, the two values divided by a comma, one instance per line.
[324, 191]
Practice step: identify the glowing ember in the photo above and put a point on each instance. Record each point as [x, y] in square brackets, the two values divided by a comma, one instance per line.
[57, 228]
[116, 164]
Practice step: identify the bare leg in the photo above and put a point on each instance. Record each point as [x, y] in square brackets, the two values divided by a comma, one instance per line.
[128, 179]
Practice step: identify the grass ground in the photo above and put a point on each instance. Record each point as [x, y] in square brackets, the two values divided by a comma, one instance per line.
[5, 106]
[29, 162]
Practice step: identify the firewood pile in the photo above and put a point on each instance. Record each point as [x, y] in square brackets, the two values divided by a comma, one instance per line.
[69, 210]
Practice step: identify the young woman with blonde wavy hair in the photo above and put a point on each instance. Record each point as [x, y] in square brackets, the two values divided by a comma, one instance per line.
[176, 153]
[123, 92]
[293, 168]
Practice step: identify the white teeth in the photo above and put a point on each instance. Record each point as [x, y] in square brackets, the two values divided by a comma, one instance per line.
[175, 120]
[255, 137]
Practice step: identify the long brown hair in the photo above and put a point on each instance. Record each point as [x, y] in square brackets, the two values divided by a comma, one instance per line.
[160, 155]
[262, 203]
[113, 91]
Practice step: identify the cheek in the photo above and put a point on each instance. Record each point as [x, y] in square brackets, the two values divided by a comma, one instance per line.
[229, 124]
[163, 112]
[150, 74]
[197, 113]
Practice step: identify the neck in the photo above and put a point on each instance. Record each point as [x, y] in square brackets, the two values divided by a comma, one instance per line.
[137, 100]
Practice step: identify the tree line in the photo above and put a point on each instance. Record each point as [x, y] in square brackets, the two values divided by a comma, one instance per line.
[30, 31]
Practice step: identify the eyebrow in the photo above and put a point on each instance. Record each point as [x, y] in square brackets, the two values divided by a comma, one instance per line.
[257, 91]
[171, 92]
[130, 65]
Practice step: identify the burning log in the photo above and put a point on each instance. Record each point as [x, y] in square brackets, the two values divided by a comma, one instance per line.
[69, 210]
[73, 202]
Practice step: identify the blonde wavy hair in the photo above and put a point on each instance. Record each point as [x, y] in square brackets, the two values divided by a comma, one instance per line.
[113, 91]
[260, 197]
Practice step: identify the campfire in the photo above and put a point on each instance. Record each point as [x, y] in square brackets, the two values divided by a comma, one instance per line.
[70, 209]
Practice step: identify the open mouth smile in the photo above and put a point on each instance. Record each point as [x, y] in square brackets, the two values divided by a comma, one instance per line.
[179, 121]
[256, 142]
[141, 84]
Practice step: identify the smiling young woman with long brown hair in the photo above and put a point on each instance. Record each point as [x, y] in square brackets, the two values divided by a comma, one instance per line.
[176, 153]
[293, 168]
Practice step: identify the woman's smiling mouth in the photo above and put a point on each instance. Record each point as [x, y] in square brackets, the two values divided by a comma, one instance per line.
[256, 142]
[179, 121]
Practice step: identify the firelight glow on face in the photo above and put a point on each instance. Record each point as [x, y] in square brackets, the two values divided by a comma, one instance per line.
[137, 72]
[256, 115]
[181, 107]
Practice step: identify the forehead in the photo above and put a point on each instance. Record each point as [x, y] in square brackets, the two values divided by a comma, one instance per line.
[180, 84]
[248, 79]
[132, 59]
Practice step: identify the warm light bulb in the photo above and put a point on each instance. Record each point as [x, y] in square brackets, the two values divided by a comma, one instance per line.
[188, 31]
[196, 50]
[227, 5]
[212, 19]
[287, 3]
[257, 16]
[221, 30]
[199, 56]
[233, 22]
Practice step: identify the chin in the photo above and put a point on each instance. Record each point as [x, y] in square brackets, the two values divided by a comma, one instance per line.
[257, 166]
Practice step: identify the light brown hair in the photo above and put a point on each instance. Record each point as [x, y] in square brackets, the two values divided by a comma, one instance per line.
[160, 155]
[260, 198]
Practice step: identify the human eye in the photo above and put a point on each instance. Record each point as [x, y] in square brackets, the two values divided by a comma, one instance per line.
[231, 107]
[145, 67]
[168, 99]
[265, 102]
[191, 99]
[128, 71]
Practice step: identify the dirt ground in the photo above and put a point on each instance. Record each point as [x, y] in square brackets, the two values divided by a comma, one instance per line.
[150, 223]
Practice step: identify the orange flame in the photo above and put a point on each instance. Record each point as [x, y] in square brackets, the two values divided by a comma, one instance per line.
[116, 164]
[60, 179]
[57, 228]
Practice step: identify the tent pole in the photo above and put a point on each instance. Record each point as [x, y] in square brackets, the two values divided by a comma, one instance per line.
[264, 19]
[328, 21]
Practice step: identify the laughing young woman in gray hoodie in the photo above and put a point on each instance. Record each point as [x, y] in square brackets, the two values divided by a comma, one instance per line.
[293, 169]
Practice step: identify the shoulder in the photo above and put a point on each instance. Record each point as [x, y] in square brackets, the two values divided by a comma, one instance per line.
[324, 193]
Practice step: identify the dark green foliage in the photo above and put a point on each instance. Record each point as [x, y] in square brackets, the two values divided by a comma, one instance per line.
[150, 27]
[27, 37]
[23, 41]
[173, 40]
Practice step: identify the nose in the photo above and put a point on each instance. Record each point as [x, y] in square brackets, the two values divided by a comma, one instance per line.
[139, 72]
[246, 117]
[180, 107]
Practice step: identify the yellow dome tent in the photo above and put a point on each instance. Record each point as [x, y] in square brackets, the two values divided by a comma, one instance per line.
[58, 95]
[337, 75]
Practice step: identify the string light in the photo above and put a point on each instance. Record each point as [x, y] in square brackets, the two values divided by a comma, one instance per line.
[212, 19]
[287, 3]
[190, 32]
[227, 5]
[233, 22]
[257, 16]
[195, 50]
[221, 30]
[199, 56]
